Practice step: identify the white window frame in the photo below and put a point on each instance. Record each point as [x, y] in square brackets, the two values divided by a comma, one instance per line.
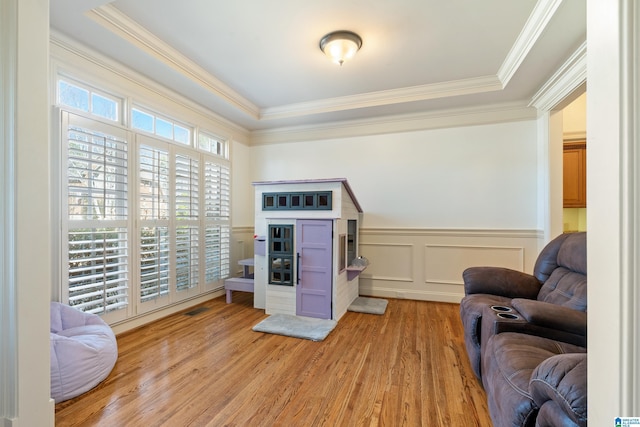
[156, 221]
[157, 116]
[91, 91]
[219, 223]
[68, 119]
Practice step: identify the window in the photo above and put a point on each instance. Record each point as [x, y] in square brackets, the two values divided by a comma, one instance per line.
[84, 98]
[123, 190]
[212, 144]
[145, 209]
[154, 222]
[281, 255]
[217, 211]
[161, 126]
[187, 205]
[352, 240]
[97, 207]
[297, 201]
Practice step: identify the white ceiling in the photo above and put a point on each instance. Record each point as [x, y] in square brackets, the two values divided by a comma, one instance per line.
[258, 64]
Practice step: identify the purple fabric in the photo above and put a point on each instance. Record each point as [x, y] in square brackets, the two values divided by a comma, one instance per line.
[83, 351]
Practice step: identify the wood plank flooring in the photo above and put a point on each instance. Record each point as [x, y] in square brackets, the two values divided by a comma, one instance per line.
[407, 367]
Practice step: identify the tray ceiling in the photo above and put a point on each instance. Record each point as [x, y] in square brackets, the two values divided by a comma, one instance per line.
[258, 64]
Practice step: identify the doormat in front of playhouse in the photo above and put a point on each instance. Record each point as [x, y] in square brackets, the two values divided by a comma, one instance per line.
[368, 305]
[307, 328]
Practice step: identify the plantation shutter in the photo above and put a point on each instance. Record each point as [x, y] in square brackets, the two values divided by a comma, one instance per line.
[187, 176]
[97, 210]
[154, 222]
[217, 203]
[139, 216]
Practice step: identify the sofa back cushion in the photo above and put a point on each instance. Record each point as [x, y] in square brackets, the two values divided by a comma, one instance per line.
[547, 260]
[566, 284]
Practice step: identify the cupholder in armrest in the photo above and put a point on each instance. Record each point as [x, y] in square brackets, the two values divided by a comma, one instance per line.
[501, 308]
[508, 316]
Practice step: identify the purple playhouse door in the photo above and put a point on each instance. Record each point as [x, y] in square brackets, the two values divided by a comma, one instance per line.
[313, 291]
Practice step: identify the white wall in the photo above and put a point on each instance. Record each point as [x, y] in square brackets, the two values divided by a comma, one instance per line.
[575, 118]
[435, 201]
[466, 177]
[242, 209]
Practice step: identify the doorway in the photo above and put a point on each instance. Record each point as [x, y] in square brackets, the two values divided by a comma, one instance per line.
[574, 131]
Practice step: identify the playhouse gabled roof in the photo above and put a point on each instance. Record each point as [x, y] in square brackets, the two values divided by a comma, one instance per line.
[344, 182]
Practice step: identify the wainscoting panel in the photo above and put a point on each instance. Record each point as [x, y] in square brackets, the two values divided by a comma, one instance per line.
[445, 263]
[390, 261]
[427, 264]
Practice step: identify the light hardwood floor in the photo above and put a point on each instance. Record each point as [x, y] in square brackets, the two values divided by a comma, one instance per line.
[407, 367]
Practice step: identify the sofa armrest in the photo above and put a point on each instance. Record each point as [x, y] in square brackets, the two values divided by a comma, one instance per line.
[561, 382]
[500, 281]
[552, 316]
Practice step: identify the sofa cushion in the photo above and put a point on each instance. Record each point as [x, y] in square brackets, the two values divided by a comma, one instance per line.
[560, 382]
[567, 283]
[547, 260]
[508, 364]
[552, 415]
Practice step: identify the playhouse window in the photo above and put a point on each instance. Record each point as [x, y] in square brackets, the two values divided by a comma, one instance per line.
[317, 200]
[281, 255]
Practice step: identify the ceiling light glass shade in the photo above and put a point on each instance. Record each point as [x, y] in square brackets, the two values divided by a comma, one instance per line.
[340, 46]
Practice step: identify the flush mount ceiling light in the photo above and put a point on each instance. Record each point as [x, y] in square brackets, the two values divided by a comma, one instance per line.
[340, 45]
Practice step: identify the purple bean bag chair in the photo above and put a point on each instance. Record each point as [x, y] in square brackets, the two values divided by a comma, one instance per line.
[83, 351]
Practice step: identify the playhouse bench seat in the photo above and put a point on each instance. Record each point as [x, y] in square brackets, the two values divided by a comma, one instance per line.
[237, 284]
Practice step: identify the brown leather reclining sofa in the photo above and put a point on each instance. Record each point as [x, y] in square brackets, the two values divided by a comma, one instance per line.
[526, 336]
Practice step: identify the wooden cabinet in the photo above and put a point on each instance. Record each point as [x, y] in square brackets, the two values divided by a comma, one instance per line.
[575, 174]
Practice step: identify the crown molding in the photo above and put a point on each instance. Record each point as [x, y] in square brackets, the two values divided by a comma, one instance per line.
[467, 116]
[569, 77]
[385, 97]
[117, 22]
[535, 25]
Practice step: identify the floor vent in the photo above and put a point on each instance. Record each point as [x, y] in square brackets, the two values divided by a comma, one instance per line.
[197, 311]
